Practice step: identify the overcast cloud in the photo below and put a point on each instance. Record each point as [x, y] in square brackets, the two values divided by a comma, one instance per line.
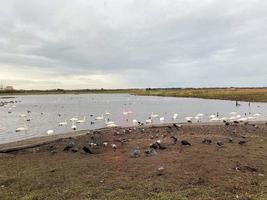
[133, 43]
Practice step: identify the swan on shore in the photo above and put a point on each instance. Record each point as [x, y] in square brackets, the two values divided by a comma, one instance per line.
[50, 132]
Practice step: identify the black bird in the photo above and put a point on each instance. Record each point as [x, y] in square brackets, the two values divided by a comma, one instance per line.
[161, 146]
[87, 150]
[220, 143]
[230, 140]
[207, 141]
[174, 139]
[227, 123]
[69, 146]
[186, 143]
[149, 151]
[154, 146]
[241, 142]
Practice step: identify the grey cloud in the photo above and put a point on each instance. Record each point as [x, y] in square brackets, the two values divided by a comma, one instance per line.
[146, 43]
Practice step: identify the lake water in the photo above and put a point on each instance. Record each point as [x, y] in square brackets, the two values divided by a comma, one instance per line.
[45, 110]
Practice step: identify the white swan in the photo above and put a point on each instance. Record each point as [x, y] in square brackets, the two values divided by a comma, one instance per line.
[161, 119]
[63, 123]
[99, 117]
[50, 132]
[135, 121]
[20, 129]
[175, 115]
[149, 121]
[81, 120]
[74, 119]
[154, 115]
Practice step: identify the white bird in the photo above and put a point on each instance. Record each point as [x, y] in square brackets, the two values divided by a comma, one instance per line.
[135, 121]
[73, 126]
[105, 144]
[257, 115]
[112, 125]
[212, 116]
[74, 119]
[20, 129]
[214, 119]
[107, 113]
[99, 117]
[200, 114]
[62, 123]
[114, 146]
[81, 120]
[127, 112]
[50, 132]
[23, 115]
[161, 119]
[175, 115]
[243, 119]
[232, 113]
[149, 121]
[154, 115]
[189, 118]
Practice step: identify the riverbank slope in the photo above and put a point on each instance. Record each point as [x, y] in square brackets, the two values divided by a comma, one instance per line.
[236, 170]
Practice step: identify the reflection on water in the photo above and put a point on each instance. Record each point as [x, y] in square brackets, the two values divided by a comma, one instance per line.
[40, 113]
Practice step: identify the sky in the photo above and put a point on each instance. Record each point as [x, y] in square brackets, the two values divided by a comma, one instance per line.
[133, 43]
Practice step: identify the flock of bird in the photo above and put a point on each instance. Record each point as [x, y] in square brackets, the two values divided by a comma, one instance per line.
[153, 118]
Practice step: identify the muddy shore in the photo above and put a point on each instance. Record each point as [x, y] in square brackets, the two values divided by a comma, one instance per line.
[60, 167]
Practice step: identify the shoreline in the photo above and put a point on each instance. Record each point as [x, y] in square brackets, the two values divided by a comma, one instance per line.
[44, 140]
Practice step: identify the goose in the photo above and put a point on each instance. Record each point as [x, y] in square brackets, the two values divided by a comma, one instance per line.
[81, 120]
[50, 132]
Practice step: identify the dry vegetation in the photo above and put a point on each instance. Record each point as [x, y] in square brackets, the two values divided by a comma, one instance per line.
[200, 171]
[240, 94]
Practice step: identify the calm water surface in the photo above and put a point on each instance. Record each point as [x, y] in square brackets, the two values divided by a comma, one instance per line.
[45, 110]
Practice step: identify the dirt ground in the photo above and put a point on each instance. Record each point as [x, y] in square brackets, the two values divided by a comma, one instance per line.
[197, 172]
